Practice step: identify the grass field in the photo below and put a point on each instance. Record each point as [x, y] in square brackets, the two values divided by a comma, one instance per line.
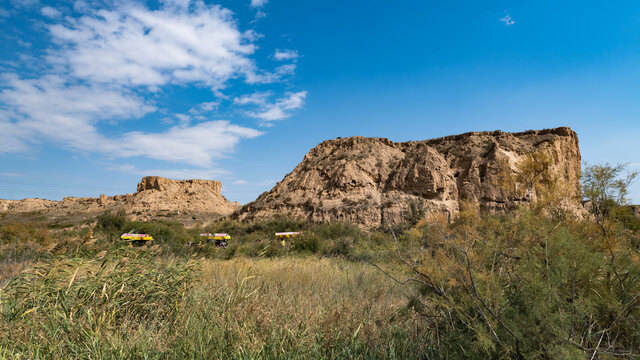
[139, 307]
[524, 285]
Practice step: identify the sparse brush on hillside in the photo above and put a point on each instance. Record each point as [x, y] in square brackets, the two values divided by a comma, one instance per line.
[28, 242]
[22, 244]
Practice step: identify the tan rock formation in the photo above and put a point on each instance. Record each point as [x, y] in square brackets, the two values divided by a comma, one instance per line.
[366, 180]
[181, 195]
[26, 205]
[155, 196]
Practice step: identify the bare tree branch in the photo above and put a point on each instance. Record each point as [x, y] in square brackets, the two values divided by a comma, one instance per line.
[475, 292]
[430, 283]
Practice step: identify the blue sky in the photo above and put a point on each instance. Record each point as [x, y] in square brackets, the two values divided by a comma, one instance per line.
[95, 94]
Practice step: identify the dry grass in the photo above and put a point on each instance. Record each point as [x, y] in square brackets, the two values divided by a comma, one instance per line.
[324, 302]
[299, 308]
[146, 307]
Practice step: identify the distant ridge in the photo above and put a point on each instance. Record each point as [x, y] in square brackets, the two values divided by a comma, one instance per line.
[155, 196]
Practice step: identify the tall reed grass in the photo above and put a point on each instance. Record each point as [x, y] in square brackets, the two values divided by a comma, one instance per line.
[137, 305]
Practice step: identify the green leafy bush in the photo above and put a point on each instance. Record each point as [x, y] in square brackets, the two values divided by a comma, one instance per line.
[306, 243]
[112, 223]
[340, 247]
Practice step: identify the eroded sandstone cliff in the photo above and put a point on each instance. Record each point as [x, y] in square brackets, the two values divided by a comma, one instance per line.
[182, 200]
[366, 180]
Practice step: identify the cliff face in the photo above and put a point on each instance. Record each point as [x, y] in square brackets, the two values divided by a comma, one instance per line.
[155, 196]
[366, 180]
[180, 195]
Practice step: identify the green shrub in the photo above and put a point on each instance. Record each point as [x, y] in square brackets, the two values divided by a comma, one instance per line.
[626, 217]
[338, 230]
[340, 247]
[58, 226]
[415, 211]
[112, 224]
[306, 243]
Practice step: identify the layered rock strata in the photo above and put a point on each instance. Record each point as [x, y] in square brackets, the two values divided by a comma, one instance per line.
[368, 180]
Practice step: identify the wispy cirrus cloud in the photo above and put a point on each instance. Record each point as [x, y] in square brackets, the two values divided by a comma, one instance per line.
[282, 55]
[280, 109]
[208, 106]
[43, 117]
[257, 98]
[51, 109]
[507, 20]
[24, 3]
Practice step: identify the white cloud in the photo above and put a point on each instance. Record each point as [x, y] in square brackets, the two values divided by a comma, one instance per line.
[209, 106]
[281, 109]
[4, 13]
[263, 183]
[11, 136]
[186, 174]
[252, 35]
[183, 120]
[24, 3]
[258, 3]
[282, 55]
[288, 69]
[9, 174]
[82, 6]
[51, 110]
[50, 12]
[204, 107]
[180, 43]
[507, 20]
[265, 77]
[103, 65]
[259, 15]
[25, 44]
[258, 98]
[197, 145]
[54, 95]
